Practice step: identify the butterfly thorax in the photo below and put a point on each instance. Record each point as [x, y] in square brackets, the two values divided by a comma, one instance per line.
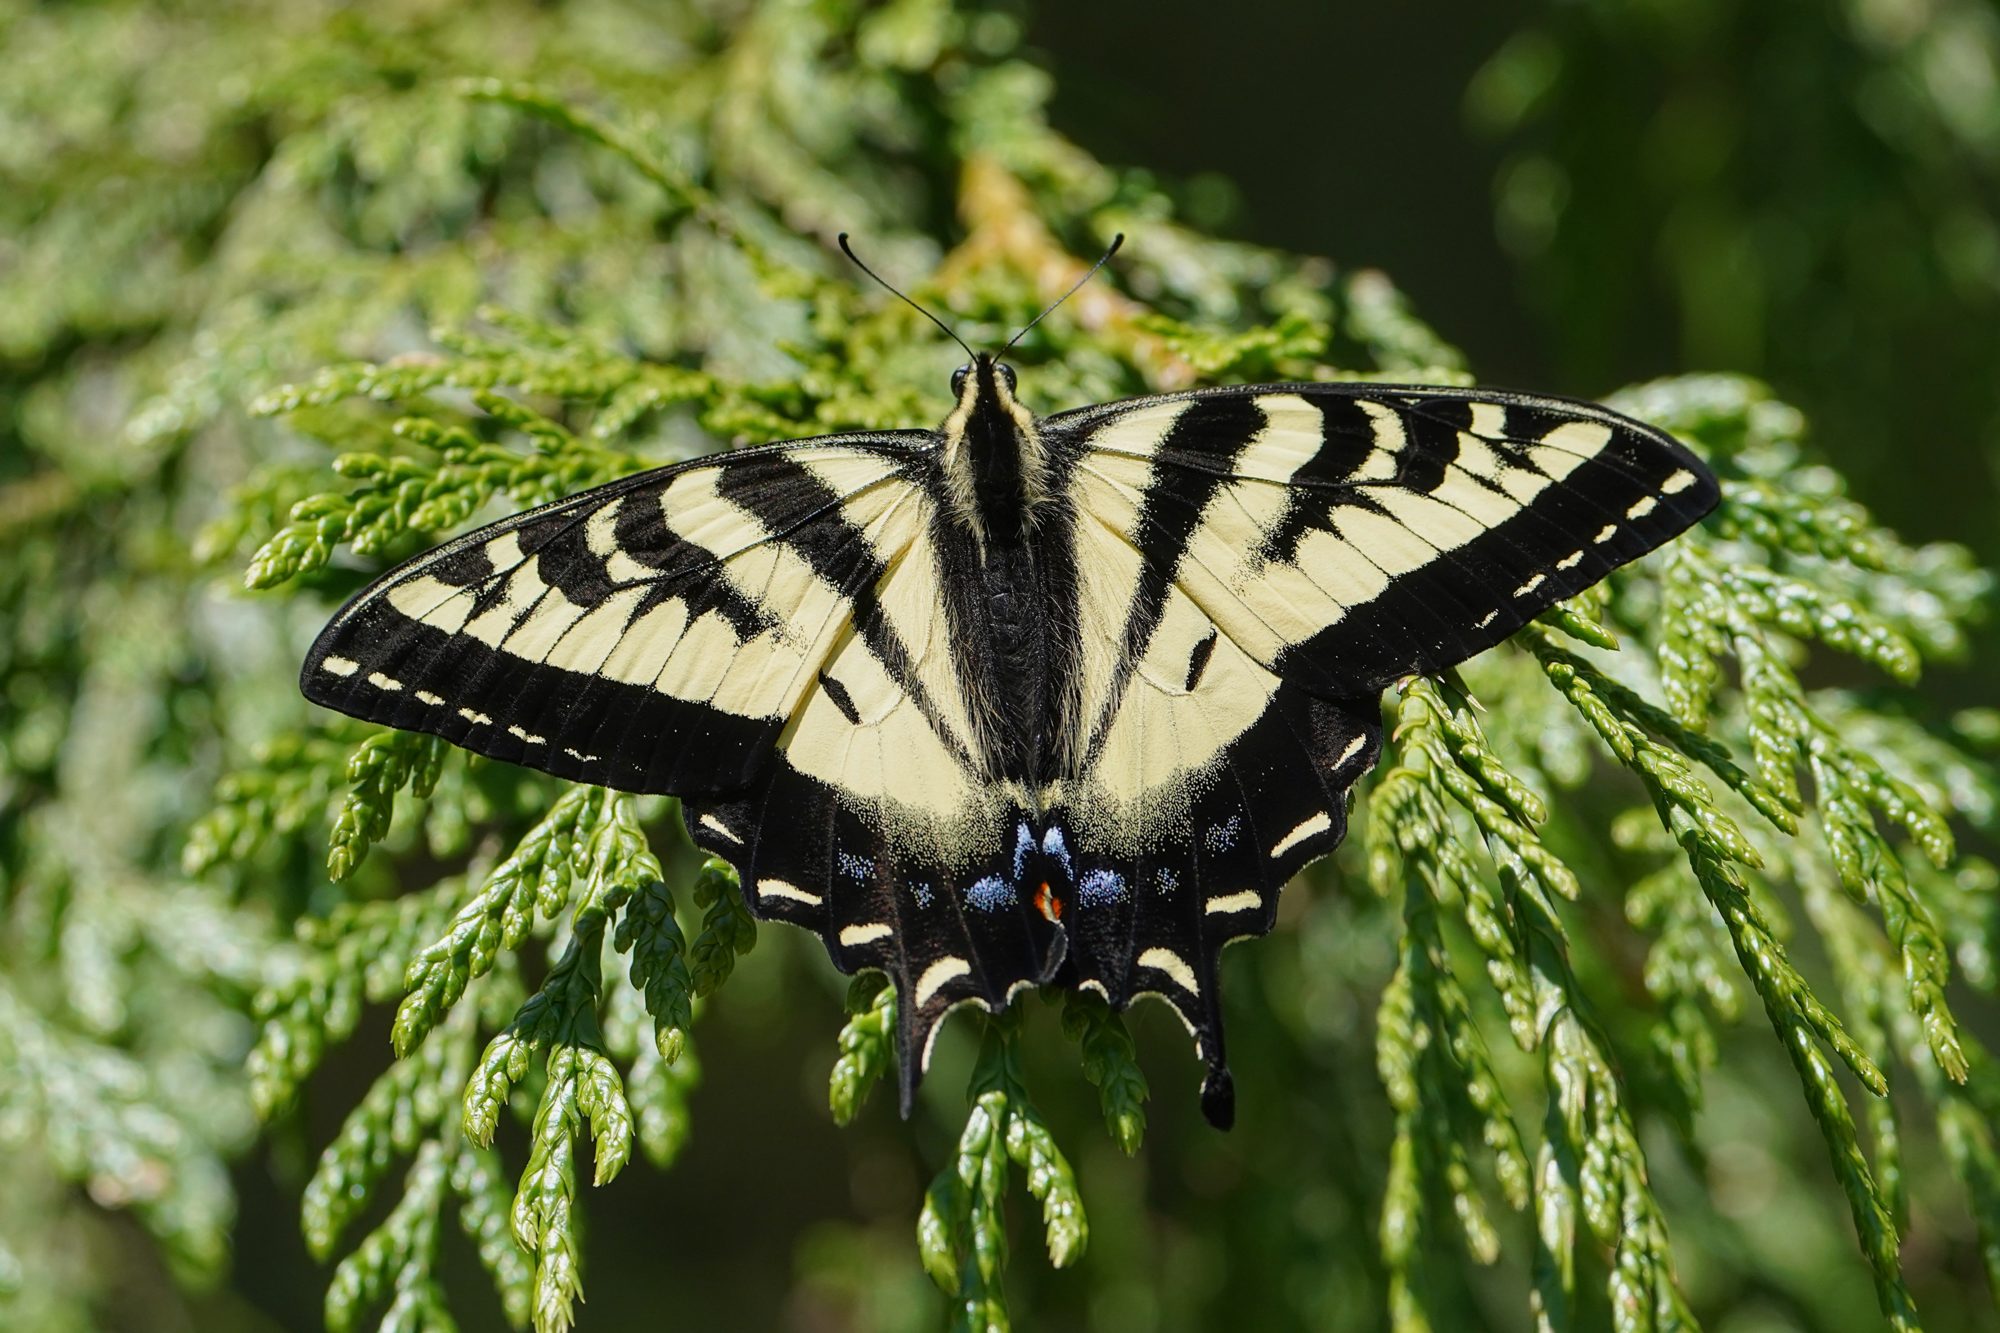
[995, 462]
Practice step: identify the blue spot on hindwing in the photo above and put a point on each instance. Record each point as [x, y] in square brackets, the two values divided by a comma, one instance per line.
[921, 892]
[990, 894]
[1053, 845]
[1100, 888]
[856, 867]
[1221, 837]
[1024, 847]
[1165, 881]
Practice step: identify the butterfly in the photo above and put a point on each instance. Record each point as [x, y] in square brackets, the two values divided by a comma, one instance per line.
[1019, 701]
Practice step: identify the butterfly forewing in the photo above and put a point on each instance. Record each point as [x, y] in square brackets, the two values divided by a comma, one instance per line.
[654, 634]
[1345, 535]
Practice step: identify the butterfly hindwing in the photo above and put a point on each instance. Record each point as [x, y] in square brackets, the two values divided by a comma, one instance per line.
[948, 927]
[1151, 913]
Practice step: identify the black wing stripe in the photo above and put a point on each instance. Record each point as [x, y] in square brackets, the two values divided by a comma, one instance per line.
[640, 531]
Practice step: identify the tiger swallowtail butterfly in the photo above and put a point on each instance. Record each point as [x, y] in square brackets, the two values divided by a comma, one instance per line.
[1018, 701]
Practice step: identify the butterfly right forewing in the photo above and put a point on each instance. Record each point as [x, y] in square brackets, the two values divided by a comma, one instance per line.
[654, 634]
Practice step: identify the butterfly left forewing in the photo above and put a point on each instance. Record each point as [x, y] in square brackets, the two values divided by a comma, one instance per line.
[1347, 534]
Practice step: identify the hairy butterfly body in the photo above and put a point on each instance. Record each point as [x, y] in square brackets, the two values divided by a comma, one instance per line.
[1018, 701]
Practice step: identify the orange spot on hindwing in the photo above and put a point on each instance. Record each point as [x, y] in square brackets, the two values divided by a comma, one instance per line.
[1047, 903]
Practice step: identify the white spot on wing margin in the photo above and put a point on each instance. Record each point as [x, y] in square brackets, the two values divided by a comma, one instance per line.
[1319, 823]
[935, 976]
[1171, 965]
[778, 888]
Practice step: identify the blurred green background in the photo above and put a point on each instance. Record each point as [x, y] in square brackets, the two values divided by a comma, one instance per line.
[1580, 195]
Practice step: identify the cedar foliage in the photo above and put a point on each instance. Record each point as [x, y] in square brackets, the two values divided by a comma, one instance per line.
[327, 286]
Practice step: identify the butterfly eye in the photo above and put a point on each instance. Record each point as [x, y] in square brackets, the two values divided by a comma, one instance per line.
[1007, 373]
[958, 380]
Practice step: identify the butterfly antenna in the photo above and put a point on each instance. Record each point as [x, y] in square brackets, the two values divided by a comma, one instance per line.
[1116, 241]
[848, 250]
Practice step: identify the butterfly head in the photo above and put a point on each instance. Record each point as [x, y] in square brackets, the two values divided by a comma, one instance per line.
[988, 416]
[995, 464]
[983, 364]
[985, 389]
